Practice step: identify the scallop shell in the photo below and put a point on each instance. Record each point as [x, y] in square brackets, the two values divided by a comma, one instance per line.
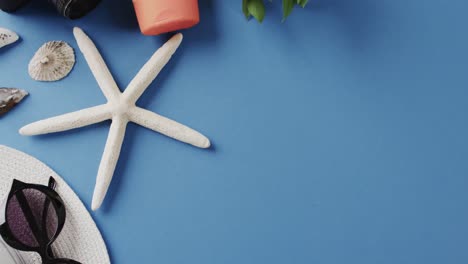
[52, 62]
[7, 37]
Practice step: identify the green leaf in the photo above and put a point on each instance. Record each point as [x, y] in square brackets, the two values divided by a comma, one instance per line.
[257, 9]
[245, 9]
[302, 3]
[288, 6]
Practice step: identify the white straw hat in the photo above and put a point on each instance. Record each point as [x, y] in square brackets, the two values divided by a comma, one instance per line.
[80, 239]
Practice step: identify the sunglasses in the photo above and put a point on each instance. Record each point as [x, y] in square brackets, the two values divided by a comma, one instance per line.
[34, 217]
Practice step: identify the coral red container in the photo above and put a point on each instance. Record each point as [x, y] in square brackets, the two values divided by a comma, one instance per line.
[160, 16]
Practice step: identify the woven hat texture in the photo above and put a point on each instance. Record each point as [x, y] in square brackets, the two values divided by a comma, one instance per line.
[80, 238]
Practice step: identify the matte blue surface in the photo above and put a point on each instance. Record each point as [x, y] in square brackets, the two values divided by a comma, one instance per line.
[339, 136]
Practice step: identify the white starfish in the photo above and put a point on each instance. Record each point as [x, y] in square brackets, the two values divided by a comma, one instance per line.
[121, 108]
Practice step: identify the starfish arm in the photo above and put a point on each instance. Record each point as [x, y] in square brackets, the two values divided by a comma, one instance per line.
[168, 127]
[97, 65]
[151, 69]
[68, 121]
[109, 160]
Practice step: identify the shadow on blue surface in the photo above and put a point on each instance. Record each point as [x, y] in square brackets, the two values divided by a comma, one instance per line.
[7, 48]
[359, 20]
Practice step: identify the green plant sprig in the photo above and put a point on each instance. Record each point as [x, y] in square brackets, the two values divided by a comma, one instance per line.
[256, 8]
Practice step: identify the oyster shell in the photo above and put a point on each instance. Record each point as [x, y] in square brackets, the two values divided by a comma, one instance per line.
[9, 97]
[7, 37]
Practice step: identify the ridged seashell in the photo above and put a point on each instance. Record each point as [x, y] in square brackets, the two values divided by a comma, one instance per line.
[9, 97]
[52, 62]
[7, 37]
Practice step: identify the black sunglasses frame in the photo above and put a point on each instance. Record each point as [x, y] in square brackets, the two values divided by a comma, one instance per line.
[53, 198]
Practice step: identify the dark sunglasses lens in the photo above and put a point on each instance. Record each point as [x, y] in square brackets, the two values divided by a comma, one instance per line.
[37, 218]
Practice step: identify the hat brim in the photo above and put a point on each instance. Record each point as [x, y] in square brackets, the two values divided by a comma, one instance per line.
[80, 238]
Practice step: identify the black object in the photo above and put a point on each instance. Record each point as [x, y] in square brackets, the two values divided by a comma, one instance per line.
[12, 5]
[72, 9]
[35, 215]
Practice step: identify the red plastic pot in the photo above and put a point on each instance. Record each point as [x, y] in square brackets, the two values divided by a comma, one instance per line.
[160, 16]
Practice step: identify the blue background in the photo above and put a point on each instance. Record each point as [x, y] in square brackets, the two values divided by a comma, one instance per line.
[340, 136]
